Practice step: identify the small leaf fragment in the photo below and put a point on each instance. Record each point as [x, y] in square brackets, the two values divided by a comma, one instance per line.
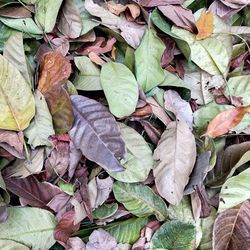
[204, 25]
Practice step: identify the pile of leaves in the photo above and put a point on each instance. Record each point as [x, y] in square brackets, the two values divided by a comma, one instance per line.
[124, 124]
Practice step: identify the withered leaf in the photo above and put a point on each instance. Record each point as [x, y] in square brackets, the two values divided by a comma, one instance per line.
[225, 121]
[205, 25]
[96, 133]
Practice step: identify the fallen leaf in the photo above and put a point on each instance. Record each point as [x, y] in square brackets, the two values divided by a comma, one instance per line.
[54, 67]
[13, 139]
[97, 125]
[175, 163]
[231, 228]
[153, 3]
[75, 243]
[180, 16]
[17, 103]
[225, 121]
[204, 25]
[96, 59]
[16, 12]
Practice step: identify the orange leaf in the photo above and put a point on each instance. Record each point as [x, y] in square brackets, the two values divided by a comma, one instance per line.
[225, 121]
[205, 25]
[54, 67]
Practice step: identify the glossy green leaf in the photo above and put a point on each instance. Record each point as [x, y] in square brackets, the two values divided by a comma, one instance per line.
[209, 54]
[46, 14]
[139, 158]
[239, 86]
[127, 231]
[33, 227]
[174, 235]
[140, 200]
[120, 88]
[22, 24]
[87, 20]
[41, 127]
[147, 61]
[13, 51]
[235, 190]
[105, 211]
[17, 103]
[89, 76]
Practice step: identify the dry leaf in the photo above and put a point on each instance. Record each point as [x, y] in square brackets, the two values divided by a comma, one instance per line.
[225, 121]
[205, 25]
[96, 59]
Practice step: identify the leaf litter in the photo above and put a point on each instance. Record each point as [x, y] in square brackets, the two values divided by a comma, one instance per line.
[124, 124]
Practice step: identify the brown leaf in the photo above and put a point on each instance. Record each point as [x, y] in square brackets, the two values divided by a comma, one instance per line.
[205, 25]
[96, 133]
[154, 3]
[7, 150]
[31, 191]
[231, 228]
[16, 12]
[60, 108]
[168, 54]
[235, 63]
[100, 238]
[65, 227]
[5, 154]
[54, 67]
[96, 59]
[180, 16]
[70, 22]
[97, 46]
[13, 139]
[153, 133]
[225, 121]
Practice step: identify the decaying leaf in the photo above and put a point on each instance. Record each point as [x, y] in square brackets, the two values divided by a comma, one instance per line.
[204, 25]
[91, 133]
[225, 121]
[175, 162]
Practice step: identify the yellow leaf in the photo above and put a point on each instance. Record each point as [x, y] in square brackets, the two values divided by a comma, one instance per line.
[205, 25]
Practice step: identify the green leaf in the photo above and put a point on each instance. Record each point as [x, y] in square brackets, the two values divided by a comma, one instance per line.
[239, 86]
[66, 187]
[172, 80]
[3, 191]
[174, 235]
[12, 245]
[140, 200]
[17, 103]
[105, 211]
[13, 51]
[160, 23]
[120, 88]
[5, 34]
[139, 158]
[207, 230]
[41, 127]
[89, 76]
[46, 14]
[33, 227]
[147, 60]
[235, 190]
[71, 88]
[22, 24]
[209, 54]
[87, 19]
[127, 231]
[130, 58]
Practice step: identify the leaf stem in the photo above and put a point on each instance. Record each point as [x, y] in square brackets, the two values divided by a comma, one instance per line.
[26, 151]
[25, 7]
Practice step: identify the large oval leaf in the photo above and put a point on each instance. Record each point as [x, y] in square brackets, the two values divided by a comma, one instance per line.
[147, 60]
[33, 227]
[231, 228]
[120, 88]
[139, 158]
[235, 190]
[41, 127]
[96, 133]
[174, 235]
[17, 103]
[140, 200]
[176, 152]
